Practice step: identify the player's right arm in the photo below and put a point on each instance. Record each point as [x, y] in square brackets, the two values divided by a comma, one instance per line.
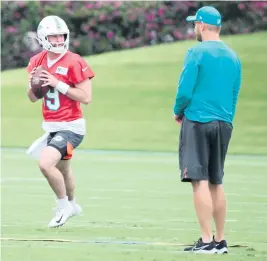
[30, 94]
[30, 69]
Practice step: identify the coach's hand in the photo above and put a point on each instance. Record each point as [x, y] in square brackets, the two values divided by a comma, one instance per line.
[178, 118]
[48, 78]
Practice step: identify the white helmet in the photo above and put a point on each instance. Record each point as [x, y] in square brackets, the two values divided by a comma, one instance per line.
[53, 25]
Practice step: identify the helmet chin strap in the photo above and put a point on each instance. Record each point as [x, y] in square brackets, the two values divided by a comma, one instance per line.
[57, 47]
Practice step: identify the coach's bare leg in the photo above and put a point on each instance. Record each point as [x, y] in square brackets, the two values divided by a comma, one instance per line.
[203, 206]
[219, 210]
[48, 160]
[65, 169]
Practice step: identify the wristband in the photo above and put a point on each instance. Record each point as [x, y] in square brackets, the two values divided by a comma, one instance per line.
[62, 87]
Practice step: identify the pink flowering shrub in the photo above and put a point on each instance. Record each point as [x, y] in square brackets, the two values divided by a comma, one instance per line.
[98, 27]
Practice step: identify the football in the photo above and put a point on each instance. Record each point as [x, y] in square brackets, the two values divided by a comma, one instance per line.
[36, 84]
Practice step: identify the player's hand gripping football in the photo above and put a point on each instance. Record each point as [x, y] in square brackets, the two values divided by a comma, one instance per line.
[49, 79]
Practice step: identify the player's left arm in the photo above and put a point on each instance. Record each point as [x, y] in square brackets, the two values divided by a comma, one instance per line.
[186, 85]
[80, 75]
[82, 92]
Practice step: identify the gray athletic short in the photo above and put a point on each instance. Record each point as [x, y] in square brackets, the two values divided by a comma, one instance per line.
[202, 150]
[65, 142]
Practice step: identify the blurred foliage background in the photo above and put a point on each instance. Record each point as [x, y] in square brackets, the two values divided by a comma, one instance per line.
[98, 27]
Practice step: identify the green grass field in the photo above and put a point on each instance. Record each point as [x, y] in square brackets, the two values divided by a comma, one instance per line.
[133, 95]
[135, 208]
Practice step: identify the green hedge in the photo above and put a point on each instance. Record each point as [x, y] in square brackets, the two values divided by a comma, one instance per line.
[98, 27]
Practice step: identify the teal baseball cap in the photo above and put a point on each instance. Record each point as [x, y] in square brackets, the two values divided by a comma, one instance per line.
[207, 15]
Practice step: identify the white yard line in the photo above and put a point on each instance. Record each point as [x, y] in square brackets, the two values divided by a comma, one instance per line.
[131, 246]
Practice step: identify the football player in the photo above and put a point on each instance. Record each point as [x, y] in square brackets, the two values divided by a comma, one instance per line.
[69, 78]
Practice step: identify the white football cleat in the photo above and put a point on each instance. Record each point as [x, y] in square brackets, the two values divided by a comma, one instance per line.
[77, 210]
[62, 215]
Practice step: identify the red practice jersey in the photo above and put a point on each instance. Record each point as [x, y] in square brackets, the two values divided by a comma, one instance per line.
[70, 69]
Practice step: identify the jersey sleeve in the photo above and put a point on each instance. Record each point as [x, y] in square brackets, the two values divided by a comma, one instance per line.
[35, 61]
[80, 71]
[30, 66]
